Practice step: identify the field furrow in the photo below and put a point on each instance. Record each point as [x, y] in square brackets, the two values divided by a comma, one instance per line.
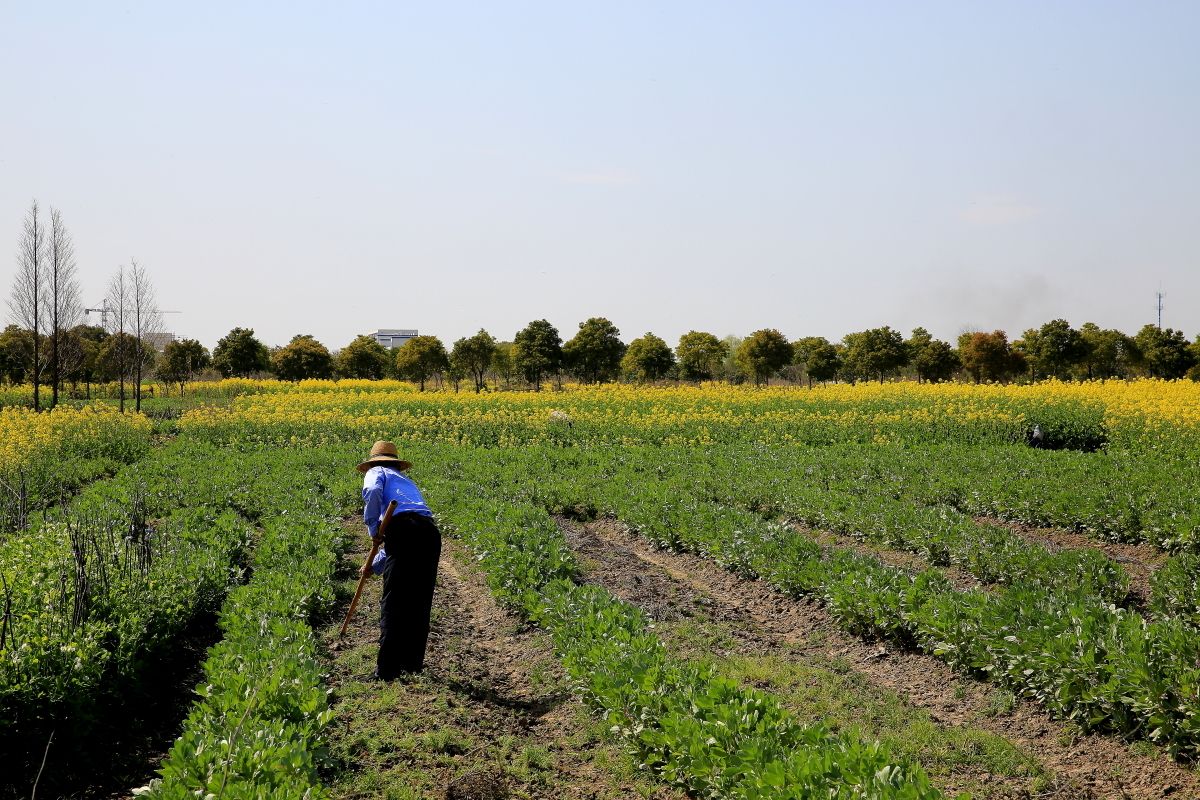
[752, 635]
[493, 714]
[969, 735]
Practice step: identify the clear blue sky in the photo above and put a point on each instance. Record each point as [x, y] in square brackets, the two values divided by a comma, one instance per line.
[814, 167]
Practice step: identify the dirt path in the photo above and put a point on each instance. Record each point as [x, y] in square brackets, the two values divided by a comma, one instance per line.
[669, 585]
[1139, 560]
[492, 716]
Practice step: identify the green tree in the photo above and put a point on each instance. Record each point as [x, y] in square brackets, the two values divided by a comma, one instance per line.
[933, 359]
[83, 346]
[730, 369]
[420, 358]
[762, 354]
[1165, 352]
[918, 341]
[119, 355]
[700, 355]
[1194, 372]
[988, 356]
[1054, 350]
[10, 363]
[825, 363]
[364, 358]
[818, 357]
[803, 350]
[875, 352]
[301, 359]
[455, 374]
[239, 355]
[181, 361]
[537, 351]
[919, 338]
[647, 358]
[1110, 353]
[937, 362]
[473, 357]
[502, 363]
[16, 353]
[594, 353]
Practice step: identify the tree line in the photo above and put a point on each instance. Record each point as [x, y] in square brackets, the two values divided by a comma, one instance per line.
[537, 355]
[48, 345]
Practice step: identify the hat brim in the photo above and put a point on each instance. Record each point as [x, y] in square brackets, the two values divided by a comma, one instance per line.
[383, 461]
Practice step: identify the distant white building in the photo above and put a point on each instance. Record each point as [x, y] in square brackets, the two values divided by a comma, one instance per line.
[392, 338]
[159, 341]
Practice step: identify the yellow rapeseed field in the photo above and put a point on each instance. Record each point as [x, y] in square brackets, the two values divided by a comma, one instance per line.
[92, 431]
[327, 411]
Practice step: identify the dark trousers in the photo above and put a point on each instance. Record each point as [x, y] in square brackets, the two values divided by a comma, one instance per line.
[409, 574]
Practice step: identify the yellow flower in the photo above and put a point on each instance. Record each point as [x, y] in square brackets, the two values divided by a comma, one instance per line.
[1135, 413]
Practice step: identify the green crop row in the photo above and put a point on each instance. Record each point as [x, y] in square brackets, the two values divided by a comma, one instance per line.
[94, 595]
[1175, 589]
[255, 731]
[97, 594]
[865, 511]
[870, 495]
[941, 535]
[1121, 495]
[1082, 659]
[694, 728]
[26, 493]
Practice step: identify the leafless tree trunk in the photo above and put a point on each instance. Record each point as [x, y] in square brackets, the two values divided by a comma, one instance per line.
[118, 317]
[26, 300]
[146, 321]
[62, 296]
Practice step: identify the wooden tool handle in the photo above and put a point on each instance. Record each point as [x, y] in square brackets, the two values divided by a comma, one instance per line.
[362, 578]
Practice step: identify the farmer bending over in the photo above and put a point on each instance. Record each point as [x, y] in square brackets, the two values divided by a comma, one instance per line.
[408, 560]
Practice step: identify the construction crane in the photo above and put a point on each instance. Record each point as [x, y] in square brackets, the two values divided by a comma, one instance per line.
[105, 309]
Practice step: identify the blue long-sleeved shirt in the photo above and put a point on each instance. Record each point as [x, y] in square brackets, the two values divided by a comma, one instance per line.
[381, 485]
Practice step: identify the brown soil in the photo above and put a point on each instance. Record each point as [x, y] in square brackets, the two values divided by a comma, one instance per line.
[1139, 560]
[492, 716]
[669, 585]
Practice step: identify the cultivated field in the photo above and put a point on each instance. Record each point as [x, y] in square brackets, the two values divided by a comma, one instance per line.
[872, 591]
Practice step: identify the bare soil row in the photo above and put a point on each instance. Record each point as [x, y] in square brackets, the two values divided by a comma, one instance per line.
[491, 717]
[1073, 765]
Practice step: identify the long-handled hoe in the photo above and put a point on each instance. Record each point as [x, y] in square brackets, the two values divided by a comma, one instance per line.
[362, 579]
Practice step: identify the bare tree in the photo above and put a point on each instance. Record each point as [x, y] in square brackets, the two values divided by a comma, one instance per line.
[146, 323]
[26, 301]
[61, 296]
[117, 302]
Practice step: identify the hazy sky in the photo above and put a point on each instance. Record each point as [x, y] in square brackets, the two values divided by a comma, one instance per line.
[819, 168]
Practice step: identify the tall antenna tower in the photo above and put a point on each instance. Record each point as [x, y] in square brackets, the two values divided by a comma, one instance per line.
[1160, 304]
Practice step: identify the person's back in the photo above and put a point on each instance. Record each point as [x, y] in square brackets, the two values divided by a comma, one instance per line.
[385, 483]
[411, 548]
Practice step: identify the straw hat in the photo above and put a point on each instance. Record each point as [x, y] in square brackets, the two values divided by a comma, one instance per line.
[383, 454]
